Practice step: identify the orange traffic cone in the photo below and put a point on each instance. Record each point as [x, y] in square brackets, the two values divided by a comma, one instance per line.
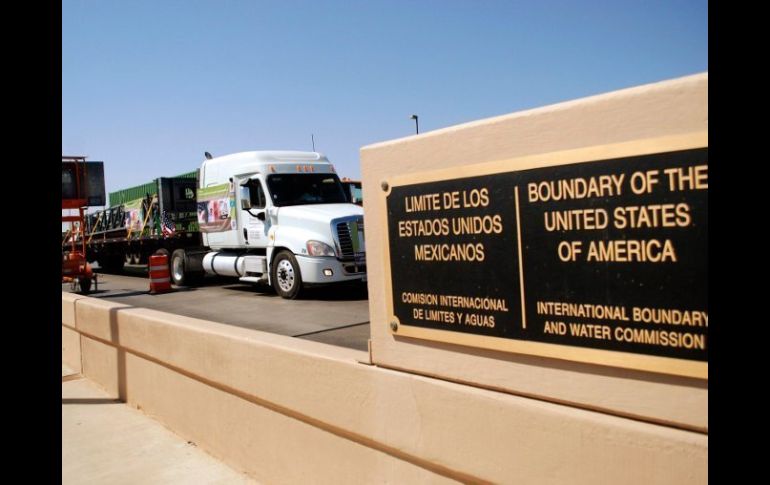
[160, 280]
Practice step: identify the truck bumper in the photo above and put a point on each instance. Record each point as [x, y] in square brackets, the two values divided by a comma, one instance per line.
[315, 270]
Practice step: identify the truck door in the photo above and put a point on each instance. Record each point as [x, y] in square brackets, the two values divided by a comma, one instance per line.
[253, 214]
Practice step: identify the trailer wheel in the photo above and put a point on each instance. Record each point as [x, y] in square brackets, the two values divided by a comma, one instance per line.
[287, 279]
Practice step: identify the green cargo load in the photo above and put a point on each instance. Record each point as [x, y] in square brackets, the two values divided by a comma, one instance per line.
[140, 191]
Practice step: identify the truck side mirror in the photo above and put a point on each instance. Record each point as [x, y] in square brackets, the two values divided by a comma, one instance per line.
[261, 216]
[245, 204]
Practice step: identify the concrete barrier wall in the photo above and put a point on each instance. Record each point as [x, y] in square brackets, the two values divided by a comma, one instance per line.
[70, 338]
[286, 410]
[672, 114]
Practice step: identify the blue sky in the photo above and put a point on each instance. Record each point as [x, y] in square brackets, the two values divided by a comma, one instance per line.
[148, 86]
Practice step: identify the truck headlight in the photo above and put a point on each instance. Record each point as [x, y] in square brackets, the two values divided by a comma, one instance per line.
[317, 248]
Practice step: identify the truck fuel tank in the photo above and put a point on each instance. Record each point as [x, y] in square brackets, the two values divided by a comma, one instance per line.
[223, 263]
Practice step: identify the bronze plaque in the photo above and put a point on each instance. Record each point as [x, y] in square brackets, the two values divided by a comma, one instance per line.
[599, 259]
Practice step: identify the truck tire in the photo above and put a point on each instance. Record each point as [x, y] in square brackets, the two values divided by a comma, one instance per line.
[287, 279]
[177, 268]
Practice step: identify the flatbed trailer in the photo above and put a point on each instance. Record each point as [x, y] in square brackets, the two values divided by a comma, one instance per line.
[161, 221]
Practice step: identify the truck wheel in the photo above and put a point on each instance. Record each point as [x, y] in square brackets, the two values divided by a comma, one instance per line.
[179, 275]
[287, 279]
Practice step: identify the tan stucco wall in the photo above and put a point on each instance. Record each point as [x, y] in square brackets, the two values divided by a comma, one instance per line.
[68, 308]
[665, 109]
[291, 411]
[70, 339]
[274, 447]
[70, 349]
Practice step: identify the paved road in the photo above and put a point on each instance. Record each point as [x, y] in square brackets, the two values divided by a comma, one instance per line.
[333, 315]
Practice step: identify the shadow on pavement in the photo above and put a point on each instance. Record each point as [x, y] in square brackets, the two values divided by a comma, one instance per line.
[354, 291]
[340, 292]
[262, 290]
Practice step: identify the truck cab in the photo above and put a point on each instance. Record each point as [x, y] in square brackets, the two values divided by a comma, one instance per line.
[353, 191]
[276, 217]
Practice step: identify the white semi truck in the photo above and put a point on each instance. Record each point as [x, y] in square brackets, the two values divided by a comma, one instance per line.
[275, 217]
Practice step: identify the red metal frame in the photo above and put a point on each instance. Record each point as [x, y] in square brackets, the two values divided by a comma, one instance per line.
[75, 267]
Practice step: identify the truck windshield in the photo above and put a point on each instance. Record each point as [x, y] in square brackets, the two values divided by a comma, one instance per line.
[305, 188]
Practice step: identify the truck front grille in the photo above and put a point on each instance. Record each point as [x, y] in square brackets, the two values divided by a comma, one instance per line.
[349, 249]
[346, 244]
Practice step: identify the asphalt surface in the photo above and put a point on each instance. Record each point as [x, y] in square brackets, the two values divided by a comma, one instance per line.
[336, 315]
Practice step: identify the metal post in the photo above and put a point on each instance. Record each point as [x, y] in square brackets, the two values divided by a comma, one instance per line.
[416, 123]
